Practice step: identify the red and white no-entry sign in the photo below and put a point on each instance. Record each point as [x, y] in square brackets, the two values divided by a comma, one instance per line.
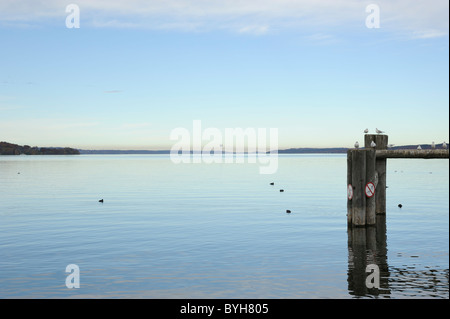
[350, 191]
[370, 189]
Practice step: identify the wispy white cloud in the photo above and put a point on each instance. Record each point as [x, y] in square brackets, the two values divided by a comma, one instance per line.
[428, 34]
[321, 39]
[418, 19]
[114, 24]
[254, 29]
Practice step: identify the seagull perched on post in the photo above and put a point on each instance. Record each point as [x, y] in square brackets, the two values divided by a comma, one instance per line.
[373, 144]
[444, 146]
[419, 147]
[366, 130]
[433, 146]
[378, 131]
[356, 144]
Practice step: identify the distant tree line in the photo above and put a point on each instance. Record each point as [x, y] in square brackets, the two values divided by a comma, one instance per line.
[14, 149]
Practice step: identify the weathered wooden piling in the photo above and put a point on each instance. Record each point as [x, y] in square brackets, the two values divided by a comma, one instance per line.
[361, 172]
[381, 141]
[349, 187]
[358, 184]
[366, 177]
[371, 181]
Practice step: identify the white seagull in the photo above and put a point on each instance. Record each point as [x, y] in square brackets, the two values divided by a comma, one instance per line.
[373, 144]
[356, 144]
[419, 147]
[444, 146]
[378, 131]
[433, 146]
[390, 145]
[366, 130]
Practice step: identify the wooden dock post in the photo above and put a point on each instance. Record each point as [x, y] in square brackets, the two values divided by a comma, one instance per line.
[381, 141]
[366, 177]
[358, 183]
[371, 177]
[349, 185]
[361, 164]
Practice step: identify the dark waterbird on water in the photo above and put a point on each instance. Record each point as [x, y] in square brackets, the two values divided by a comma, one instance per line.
[288, 211]
[400, 205]
[281, 190]
[272, 183]
[101, 200]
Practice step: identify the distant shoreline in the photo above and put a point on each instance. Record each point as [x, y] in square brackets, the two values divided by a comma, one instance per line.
[294, 151]
[14, 149]
[306, 150]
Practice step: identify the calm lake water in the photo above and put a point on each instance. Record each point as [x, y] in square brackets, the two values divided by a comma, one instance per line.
[216, 230]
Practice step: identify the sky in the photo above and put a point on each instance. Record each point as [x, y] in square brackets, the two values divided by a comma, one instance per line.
[136, 70]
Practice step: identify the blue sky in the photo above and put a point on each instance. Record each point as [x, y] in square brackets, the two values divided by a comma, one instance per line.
[136, 70]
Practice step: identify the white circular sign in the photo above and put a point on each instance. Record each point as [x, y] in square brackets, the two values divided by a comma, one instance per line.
[350, 191]
[370, 189]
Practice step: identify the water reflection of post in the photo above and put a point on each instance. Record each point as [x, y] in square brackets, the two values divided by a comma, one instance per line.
[367, 245]
[381, 257]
